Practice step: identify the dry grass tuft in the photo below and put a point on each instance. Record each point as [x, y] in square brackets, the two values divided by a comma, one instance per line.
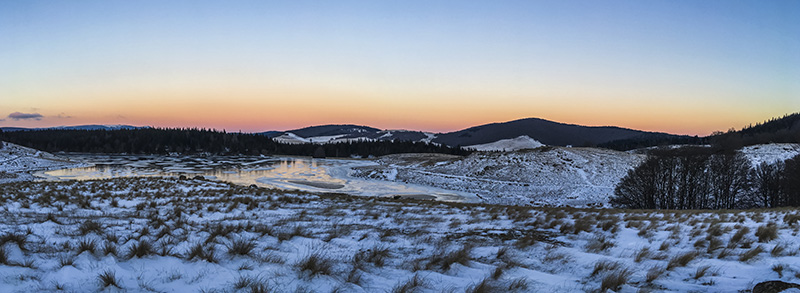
[681, 260]
[767, 233]
[750, 254]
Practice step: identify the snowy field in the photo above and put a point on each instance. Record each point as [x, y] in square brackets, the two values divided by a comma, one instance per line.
[546, 176]
[170, 235]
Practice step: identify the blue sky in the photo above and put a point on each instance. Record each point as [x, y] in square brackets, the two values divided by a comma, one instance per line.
[678, 66]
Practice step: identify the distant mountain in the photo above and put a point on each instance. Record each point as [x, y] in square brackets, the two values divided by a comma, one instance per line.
[343, 133]
[331, 130]
[544, 131]
[77, 127]
[535, 129]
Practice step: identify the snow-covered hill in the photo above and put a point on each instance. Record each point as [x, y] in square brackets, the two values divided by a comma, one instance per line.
[17, 161]
[545, 176]
[505, 145]
[770, 153]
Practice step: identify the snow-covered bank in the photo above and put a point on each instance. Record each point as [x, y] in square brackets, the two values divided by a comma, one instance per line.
[18, 162]
[163, 235]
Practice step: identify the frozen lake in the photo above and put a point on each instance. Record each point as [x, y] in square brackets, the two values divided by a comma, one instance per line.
[293, 173]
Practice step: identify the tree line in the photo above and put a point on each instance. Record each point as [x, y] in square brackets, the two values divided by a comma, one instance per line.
[708, 178]
[204, 141]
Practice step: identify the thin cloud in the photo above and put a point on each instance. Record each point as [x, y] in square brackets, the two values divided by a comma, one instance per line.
[25, 116]
[63, 116]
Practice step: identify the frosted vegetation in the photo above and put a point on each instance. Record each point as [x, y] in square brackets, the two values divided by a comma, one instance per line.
[163, 234]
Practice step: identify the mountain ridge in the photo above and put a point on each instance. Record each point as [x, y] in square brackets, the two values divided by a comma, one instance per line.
[542, 130]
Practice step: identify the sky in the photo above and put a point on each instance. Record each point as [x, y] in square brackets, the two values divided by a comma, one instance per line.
[684, 67]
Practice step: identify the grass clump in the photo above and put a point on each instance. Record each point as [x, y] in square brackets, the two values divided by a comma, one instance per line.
[200, 252]
[109, 248]
[108, 278]
[738, 236]
[750, 254]
[241, 247]
[615, 280]
[90, 226]
[485, 286]
[140, 249]
[443, 261]
[376, 256]
[598, 244]
[86, 245]
[681, 260]
[700, 272]
[642, 254]
[653, 274]
[767, 233]
[316, 264]
[20, 239]
[411, 285]
[604, 266]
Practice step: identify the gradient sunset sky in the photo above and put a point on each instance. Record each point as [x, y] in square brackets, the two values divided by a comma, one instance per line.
[687, 67]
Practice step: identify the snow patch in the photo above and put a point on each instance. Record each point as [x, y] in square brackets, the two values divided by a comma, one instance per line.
[770, 153]
[511, 144]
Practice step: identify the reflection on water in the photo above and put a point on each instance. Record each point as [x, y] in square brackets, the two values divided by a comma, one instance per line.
[236, 170]
[272, 172]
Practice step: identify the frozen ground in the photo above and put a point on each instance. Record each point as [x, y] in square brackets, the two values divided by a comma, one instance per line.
[547, 175]
[168, 235]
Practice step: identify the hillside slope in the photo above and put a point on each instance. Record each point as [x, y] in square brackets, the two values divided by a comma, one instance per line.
[16, 162]
[550, 176]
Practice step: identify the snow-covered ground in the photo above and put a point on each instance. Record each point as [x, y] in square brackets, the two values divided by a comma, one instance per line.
[507, 145]
[17, 162]
[544, 176]
[171, 235]
[770, 153]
